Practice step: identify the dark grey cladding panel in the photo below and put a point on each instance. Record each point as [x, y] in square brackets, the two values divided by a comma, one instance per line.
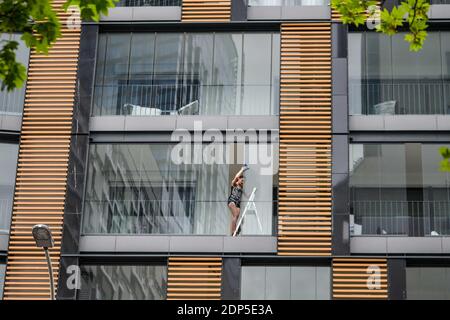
[341, 235]
[397, 279]
[239, 10]
[231, 279]
[69, 278]
[339, 40]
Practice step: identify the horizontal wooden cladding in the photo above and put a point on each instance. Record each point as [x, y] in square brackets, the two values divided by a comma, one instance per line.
[194, 278]
[336, 16]
[304, 213]
[360, 278]
[206, 10]
[42, 164]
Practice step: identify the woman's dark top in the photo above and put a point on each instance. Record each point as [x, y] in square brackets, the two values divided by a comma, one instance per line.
[235, 196]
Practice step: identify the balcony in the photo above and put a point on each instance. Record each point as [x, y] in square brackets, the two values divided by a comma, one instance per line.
[178, 99]
[173, 217]
[385, 97]
[401, 218]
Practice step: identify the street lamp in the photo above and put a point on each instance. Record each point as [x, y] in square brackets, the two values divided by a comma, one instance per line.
[43, 237]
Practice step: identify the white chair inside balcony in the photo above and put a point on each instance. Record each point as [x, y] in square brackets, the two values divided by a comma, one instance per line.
[387, 107]
[355, 229]
[136, 110]
[189, 109]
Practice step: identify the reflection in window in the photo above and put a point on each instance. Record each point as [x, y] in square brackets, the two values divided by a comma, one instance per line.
[123, 282]
[144, 189]
[2, 278]
[287, 3]
[11, 103]
[398, 189]
[428, 283]
[385, 77]
[148, 74]
[285, 283]
[8, 163]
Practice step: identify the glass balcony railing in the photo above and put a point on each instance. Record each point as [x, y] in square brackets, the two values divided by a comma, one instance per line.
[400, 97]
[149, 3]
[188, 99]
[189, 217]
[400, 218]
[287, 3]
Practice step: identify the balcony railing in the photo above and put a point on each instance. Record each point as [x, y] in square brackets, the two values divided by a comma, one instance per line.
[182, 99]
[402, 97]
[149, 3]
[172, 217]
[401, 218]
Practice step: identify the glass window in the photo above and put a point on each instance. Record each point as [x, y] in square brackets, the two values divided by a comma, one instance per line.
[285, 283]
[428, 283]
[167, 189]
[8, 163]
[187, 74]
[385, 77]
[2, 278]
[123, 282]
[398, 189]
[12, 102]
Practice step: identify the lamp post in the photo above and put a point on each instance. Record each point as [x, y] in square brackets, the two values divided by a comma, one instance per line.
[43, 237]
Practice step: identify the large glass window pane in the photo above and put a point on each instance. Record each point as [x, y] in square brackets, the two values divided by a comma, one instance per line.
[8, 164]
[398, 189]
[11, 102]
[428, 283]
[188, 74]
[385, 77]
[285, 283]
[123, 282]
[145, 188]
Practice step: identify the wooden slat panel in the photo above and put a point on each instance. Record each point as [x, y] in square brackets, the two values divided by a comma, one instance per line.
[206, 10]
[194, 278]
[304, 223]
[42, 164]
[360, 278]
[336, 17]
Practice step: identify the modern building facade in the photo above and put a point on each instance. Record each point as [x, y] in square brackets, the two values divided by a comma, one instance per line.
[127, 137]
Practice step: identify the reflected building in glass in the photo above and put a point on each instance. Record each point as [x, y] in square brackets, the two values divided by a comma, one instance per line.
[129, 147]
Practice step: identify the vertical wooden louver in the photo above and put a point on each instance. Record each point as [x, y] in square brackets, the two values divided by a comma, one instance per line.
[194, 278]
[304, 216]
[360, 278]
[42, 164]
[206, 10]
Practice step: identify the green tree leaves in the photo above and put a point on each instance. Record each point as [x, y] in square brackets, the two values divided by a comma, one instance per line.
[40, 28]
[445, 163]
[410, 13]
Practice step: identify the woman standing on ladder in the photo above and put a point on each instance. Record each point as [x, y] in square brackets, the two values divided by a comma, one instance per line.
[234, 200]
